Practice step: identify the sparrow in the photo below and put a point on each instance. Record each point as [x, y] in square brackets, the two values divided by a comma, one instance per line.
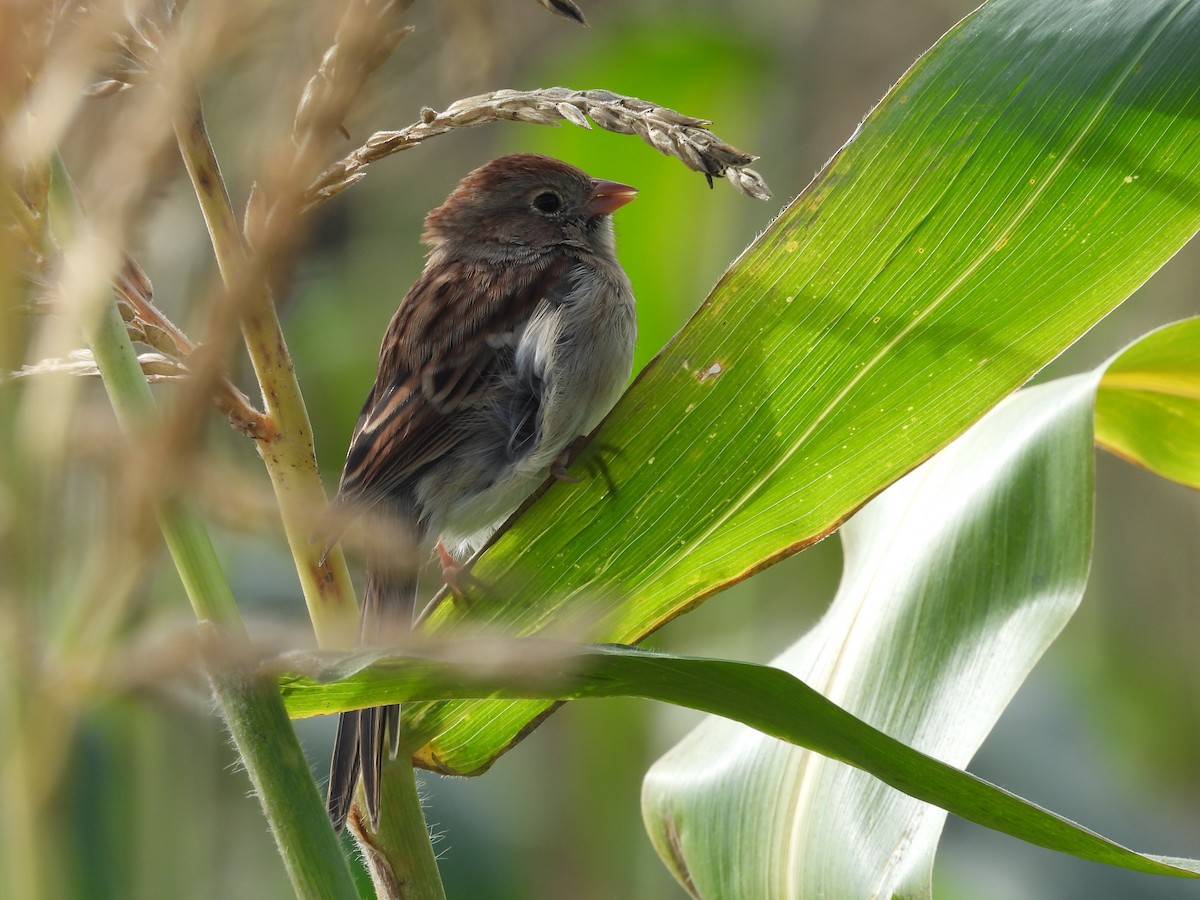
[516, 339]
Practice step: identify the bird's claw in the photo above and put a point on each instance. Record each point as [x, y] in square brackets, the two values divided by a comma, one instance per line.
[559, 471]
[456, 575]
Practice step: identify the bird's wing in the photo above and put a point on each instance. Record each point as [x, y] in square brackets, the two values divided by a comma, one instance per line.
[441, 349]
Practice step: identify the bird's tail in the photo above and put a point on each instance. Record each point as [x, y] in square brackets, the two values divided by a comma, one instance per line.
[359, 747]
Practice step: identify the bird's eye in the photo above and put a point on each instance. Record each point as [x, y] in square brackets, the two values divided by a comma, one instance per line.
[548, 202]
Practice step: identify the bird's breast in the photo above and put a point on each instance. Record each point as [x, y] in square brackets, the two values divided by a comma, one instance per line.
[581, 351]
[571, 360]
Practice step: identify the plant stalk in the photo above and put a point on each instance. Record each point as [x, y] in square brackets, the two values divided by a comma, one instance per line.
[403, 848]
[287, 452]
[251, 706]
[400, 854]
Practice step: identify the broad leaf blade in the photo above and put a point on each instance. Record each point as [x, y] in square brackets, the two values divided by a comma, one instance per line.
[764, 698]
[957, 579]
[1039, 163]
[1148, 407]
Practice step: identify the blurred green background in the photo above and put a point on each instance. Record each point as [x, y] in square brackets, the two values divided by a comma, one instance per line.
[1105, 731]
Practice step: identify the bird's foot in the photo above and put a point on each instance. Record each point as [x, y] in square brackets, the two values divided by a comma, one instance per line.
[595, 463]
[564, 459]
[456, 575]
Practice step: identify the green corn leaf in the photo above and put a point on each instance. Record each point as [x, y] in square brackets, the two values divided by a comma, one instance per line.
[761, 696]
[1148, 408]
[1019, 182]
[957, 579]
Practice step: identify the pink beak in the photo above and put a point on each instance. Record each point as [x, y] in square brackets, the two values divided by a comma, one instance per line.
[608, 196]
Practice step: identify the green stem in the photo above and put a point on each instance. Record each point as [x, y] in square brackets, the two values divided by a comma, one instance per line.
[295, 810]
[185, 535]
[400, 854]
[251, 706]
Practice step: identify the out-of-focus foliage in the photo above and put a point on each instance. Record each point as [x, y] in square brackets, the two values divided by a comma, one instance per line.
[127, 778]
